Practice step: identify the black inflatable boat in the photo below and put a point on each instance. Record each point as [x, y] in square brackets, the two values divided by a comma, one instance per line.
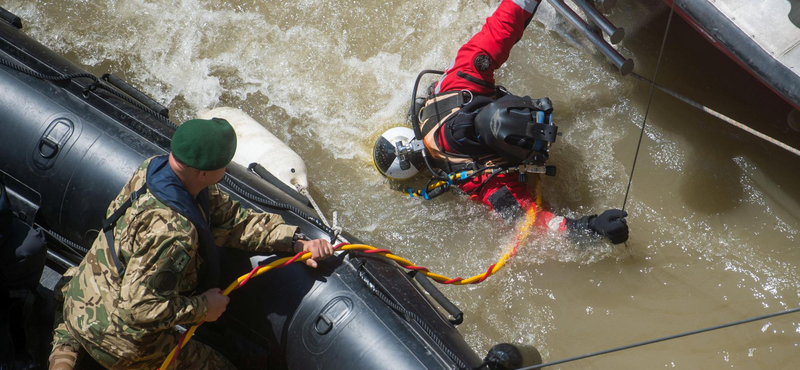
[70, 140]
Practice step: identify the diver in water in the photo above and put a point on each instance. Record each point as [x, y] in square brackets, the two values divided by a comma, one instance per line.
[155, 265]
[484, 139]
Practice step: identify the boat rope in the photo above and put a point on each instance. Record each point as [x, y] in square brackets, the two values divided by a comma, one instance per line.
[649, 101]
[96, 82]
[334, 232]
[238, 187]
[719, 115]
[303, 190]
[521, 236]
[662, 339]
[408, 315]
[69, 243]
[337, 230]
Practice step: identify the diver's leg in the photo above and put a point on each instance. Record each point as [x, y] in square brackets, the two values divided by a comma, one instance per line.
[511, 198]
[502, 193]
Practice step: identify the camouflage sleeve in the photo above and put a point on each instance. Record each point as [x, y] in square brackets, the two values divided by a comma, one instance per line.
[238, 227]
[162, 264]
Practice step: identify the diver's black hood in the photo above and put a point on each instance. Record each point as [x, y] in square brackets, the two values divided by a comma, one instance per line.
[519, 129]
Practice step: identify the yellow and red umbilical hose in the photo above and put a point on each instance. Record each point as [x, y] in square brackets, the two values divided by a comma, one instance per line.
[522, 235]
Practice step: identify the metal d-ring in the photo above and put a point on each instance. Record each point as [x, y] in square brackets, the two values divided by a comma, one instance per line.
[470, 96]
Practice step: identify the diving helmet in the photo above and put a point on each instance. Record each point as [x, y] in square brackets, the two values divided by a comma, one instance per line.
[396, 154]
[519, 129]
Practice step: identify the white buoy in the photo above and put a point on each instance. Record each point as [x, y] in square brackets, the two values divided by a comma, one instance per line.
[256, 144]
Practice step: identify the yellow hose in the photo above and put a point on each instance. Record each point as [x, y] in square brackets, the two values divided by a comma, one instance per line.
[522, 235]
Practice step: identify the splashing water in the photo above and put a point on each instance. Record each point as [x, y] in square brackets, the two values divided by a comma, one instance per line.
[713, 214]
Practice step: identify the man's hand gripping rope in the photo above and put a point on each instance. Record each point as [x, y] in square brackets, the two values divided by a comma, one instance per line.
[522, 235]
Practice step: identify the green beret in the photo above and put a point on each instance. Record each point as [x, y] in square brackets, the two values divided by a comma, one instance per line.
[203, 144]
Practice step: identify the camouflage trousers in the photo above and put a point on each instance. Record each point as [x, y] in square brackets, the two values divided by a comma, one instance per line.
[193, 356]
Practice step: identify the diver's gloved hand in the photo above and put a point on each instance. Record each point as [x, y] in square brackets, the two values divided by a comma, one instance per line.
[610, 224]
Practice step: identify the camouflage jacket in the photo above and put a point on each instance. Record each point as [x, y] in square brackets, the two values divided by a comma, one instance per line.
[132, 317]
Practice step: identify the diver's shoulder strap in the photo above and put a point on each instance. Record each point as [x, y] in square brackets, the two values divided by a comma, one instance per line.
[442, 105]
[476, 80]
[111, 222]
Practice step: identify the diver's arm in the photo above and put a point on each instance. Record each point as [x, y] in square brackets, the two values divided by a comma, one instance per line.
[504, 29]
[488, 49]
[235, 226]
[507, 196]
[610, 224]
[511, 198]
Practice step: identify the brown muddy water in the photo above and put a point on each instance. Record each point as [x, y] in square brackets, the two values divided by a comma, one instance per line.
[714, 212]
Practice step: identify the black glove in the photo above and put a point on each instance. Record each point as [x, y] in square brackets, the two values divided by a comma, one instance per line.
[610, 224]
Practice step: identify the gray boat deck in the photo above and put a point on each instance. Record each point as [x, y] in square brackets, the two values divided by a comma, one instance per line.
[768, 23]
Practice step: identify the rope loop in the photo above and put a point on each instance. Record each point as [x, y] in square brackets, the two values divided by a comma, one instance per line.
[89, 88]
[521, 236]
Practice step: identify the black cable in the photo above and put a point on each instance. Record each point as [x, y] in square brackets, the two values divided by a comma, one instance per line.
[410, 315]
[434, 173]
[430, 183]
[228, 178]
[451, 181]
[65, 241]
[593, 354]
[479, 172]
[43, 76]
[649, 100]
[415, 123]
[478, 189]
[96, 83]
[414, 118]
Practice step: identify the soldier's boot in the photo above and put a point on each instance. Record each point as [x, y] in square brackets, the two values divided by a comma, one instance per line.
[63, 358]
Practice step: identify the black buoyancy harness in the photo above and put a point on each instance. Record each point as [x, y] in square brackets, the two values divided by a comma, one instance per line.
[519, 129]
[164, 185]
[458, 131]
[448, 119]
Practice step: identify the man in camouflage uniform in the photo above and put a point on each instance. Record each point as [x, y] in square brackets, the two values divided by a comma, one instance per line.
[124, 312]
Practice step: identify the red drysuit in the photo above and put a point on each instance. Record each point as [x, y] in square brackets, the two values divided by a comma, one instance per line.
[499, 34]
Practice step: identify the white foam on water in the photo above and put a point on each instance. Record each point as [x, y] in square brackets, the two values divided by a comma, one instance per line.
[332, 76]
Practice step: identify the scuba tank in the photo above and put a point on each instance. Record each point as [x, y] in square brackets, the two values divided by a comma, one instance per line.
[513, 135]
